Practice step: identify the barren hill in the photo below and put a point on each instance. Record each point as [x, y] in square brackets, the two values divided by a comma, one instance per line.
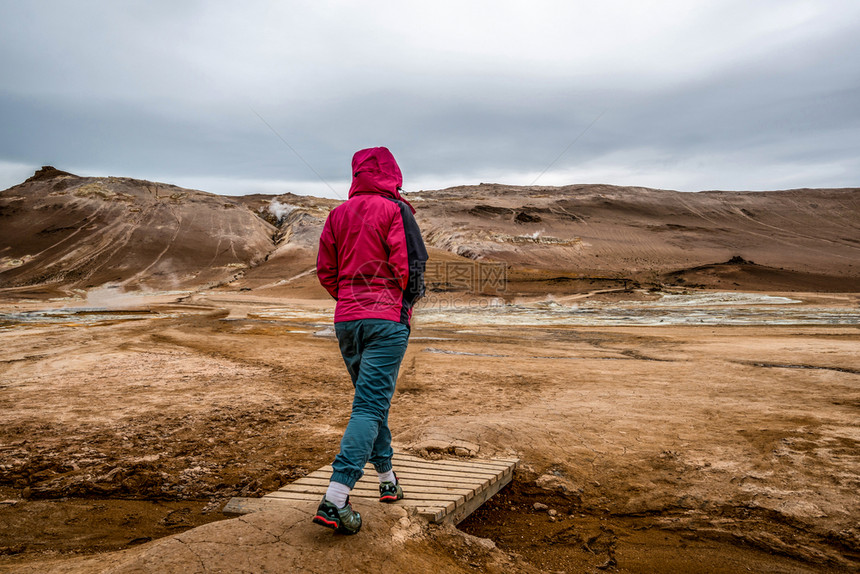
[577, 238]
[805, 239]
[61, 232]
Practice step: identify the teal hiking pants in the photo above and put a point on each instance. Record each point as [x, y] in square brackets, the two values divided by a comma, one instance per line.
[372, 350]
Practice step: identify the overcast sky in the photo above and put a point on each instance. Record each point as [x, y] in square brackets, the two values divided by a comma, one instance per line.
[244, 97]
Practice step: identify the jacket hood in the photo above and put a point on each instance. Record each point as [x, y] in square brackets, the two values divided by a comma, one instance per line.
[374, 170]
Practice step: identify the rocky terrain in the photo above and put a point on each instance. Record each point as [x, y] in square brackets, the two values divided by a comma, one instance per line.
[62, 232]
[678, 374]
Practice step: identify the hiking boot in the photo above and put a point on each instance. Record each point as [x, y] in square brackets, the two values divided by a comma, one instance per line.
[390, 491]
[344, 520]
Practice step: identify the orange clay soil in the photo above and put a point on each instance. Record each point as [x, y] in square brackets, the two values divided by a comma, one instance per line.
[643, 448]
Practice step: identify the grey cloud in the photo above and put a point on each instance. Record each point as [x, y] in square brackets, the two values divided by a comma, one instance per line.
[169, 90]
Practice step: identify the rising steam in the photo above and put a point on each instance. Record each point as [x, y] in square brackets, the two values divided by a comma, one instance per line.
[280, 210]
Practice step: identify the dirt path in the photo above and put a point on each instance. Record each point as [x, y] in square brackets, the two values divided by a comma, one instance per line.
[655, 448]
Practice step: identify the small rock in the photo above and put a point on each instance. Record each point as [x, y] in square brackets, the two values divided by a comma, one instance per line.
[801, 509]
[552, 512]
[110, 476]
[464, 448]
[556, 483]
[210, 507]
[26, 493]
[610, 563]
[540, 506]
[8, 502]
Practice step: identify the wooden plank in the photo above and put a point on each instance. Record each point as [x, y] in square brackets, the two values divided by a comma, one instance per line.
[372, 490]
[371, 493]
[408, 460]
[425, 480]
[411, 478]
[430, 465]
[448, 507]
[475, 470]
[451, 461]
[429, 470]
[448, 504]
[432, 514]
[407, 479]
[472, 505]
[406, 482]
[471, 463]
[447, 474]
[440, 490]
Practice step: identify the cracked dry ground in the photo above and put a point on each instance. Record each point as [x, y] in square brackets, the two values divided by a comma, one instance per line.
[653, 448]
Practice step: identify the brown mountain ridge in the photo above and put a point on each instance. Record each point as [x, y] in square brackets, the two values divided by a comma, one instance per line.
[60, 232]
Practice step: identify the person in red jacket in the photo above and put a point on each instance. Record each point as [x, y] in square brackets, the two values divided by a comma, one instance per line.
[371, 260]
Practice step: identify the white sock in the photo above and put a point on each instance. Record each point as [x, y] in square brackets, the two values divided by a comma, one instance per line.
[387, 476]
[337, 494]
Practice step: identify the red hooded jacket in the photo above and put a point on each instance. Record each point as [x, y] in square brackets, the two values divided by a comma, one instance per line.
[371, 256]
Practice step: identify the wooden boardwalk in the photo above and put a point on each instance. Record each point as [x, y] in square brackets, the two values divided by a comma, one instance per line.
[441, 490]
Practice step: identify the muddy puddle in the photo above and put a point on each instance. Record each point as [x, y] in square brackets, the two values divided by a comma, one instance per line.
[670, 310]
[76, 317]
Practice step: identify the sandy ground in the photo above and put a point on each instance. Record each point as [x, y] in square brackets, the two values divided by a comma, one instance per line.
[682, 446]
